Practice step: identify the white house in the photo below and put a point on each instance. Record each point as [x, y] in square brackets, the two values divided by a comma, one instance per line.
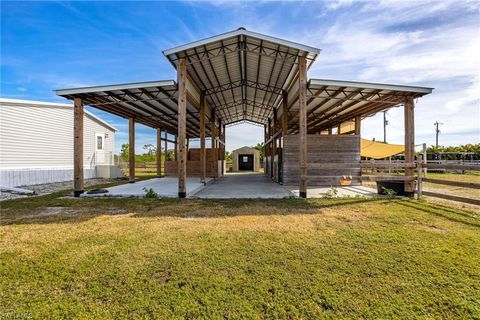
[36, 143]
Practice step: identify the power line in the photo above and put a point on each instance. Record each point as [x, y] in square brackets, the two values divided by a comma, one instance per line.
[437, 132]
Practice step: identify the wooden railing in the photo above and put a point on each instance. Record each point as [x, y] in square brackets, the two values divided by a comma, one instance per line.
[421, 169]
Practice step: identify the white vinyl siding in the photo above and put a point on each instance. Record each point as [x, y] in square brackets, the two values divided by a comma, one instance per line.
[39, 136]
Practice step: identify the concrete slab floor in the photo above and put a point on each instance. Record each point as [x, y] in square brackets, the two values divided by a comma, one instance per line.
[243, 186]
[163, 187]
[344, 191]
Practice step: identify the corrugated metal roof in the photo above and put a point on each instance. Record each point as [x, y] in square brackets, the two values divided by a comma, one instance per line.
[152, 103]
[331, 102]
[243, 73]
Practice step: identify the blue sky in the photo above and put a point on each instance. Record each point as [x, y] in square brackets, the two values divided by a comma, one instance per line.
[52, 45]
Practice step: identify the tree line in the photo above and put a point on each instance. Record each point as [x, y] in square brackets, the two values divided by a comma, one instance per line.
[475, 148]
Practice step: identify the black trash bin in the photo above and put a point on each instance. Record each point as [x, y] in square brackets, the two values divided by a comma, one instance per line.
[397, 186]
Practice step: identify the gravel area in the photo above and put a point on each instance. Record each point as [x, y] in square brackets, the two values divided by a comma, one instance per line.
[46, 188]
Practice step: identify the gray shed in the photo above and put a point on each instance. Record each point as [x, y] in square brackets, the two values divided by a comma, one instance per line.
[245, 159]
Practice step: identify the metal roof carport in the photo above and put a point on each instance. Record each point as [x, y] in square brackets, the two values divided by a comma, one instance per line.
[241, 76]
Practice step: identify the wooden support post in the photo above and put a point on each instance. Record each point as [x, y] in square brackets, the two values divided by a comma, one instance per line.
[220, 147]
[284, 113]
[339, 129]
[182, 128]
[175, 148]
[330, 131]
[265, 149]
[213, 126]
[274, 142]
[165, 143]
[270, 148]
[131, 150]
[409, 143]
[203, 158]
[419, 175]
[358, 121]
[159, 152]
[223, 149]
[302, 107]
[77, 147]
[424, 158]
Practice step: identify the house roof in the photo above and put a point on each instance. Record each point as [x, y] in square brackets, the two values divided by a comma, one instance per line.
[14, 102]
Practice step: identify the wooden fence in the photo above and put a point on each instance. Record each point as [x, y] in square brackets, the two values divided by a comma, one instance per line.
[421, 169]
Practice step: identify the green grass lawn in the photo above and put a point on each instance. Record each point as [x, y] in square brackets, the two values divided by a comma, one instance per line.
[169, 258]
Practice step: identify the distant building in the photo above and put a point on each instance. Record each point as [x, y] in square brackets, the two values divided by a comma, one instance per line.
[245, 159]
[36, 143]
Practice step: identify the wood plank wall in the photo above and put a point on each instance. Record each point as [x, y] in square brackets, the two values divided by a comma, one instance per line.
[321, 149]
[193, 168]
[193, 164]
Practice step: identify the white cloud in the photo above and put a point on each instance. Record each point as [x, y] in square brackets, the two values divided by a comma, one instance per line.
[425, 46]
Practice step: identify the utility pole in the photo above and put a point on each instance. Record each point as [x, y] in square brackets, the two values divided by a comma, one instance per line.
[437, 132]
[385, 123]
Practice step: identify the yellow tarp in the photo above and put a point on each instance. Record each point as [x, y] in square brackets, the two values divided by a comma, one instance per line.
[379, 150]
[347, 126]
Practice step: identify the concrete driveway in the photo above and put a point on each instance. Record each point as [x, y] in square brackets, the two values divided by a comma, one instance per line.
[163, 187]
[243, 185]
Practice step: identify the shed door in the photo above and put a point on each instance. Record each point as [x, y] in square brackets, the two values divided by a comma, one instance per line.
[245, 162]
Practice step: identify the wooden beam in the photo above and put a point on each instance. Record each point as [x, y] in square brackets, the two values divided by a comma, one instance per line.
[419, 176]
[451, 197]
[175, 148]
[213, 125]
[302, 111]
[284, 113]
[221, 127]
[131, 150]
[446, 166]
[265, 149]
[346, 116]
[366, 178]
[159, 152]
[472, 185]
[182, 128]
[353, 165]
[274, 141]
[203, 156]
[224, 149]
[358, 121]
[270, 147]
[78, 147]
[409, 142]
[275, 135]
[165, 142]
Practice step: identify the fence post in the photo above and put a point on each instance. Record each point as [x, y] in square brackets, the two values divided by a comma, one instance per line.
[419, 175]
[424, 159]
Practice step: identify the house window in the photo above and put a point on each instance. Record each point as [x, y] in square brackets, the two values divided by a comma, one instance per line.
[245, 159]
[99, 142]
